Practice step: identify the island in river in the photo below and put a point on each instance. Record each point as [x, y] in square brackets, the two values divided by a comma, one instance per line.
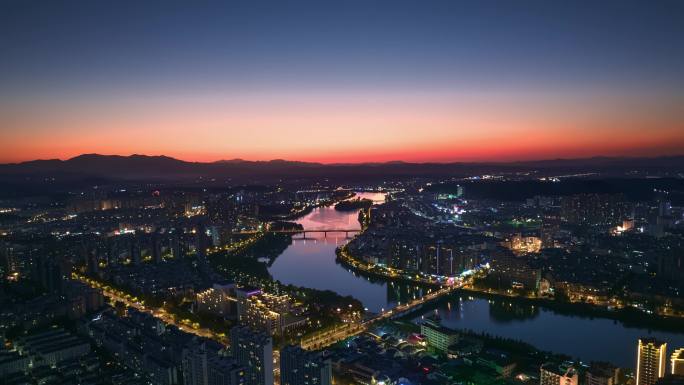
[354, 204]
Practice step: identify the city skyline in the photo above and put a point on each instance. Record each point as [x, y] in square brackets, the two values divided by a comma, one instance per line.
[453, 81]
[386, 192]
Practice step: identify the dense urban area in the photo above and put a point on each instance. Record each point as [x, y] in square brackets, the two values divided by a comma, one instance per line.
[128, 282]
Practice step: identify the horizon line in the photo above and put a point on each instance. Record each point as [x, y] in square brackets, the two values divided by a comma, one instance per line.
[350, 163]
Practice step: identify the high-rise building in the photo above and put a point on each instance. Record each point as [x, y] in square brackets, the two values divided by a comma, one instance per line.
[194, 364]
[218, 299]
[601, 373]
[225, 371]
[136, 252]
[156, 247]
[204, 366]
[650, 361]
[595, 209]
[254, 350]
[677, 362]
[555, 374]
[5, 260]
[49, 273]
[177, 245]
[671, 380]
[301, 367]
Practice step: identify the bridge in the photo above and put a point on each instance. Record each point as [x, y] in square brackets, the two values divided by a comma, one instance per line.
[330, 337]
[297, 231]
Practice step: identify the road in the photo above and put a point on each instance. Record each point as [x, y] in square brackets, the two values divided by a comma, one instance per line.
[116, 295]
[338, 334]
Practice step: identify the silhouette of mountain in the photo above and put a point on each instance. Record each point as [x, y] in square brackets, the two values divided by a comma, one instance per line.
[140, 167]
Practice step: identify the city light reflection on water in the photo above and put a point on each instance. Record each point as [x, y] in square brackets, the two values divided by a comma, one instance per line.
[311, 262]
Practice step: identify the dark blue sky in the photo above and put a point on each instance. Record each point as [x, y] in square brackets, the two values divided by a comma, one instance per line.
[92, 44]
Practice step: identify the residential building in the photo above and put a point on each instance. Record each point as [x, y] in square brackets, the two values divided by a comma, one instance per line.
[601, 373]
[558, 374]
[650, 361]
[438, 336]
[301, 367]
[677, 362]
[254, 350]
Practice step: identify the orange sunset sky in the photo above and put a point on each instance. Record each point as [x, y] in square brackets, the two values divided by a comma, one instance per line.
[341, 82]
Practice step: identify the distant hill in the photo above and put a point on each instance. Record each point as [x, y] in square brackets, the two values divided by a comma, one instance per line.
[144, 167]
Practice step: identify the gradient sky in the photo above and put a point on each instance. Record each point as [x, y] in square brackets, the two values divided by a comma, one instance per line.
[341, 81]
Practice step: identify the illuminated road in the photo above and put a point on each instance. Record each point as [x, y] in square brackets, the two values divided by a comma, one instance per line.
[130, 301]
[170, 319]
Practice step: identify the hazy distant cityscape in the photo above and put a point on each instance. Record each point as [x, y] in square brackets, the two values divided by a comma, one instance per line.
[503, 278]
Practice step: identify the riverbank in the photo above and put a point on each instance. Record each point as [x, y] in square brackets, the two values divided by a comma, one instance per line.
[375, 275]
[630, 317]
[348, 260]
[353, 204]
[309, 208]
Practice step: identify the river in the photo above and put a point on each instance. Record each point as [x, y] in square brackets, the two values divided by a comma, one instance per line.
[311, 263]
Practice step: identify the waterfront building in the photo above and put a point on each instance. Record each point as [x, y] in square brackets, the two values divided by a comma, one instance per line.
[498, 362]
[267, 312]
[555, 374]
[677, 362]
[601, 373]
[512, 272]
[650, 361]
[438, 336]
[254, 350]
[301, 367]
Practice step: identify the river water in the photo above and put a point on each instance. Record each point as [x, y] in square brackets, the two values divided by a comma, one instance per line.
[311, 263]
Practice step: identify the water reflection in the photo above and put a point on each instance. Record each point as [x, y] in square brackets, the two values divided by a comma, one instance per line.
[311, 262]
[584, 337]
[503, 312]
[399, 292]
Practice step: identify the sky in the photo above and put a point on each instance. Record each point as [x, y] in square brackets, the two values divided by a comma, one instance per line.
[341, 81]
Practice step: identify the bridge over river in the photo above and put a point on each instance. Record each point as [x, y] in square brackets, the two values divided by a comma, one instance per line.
[325, 232]
[333, 336]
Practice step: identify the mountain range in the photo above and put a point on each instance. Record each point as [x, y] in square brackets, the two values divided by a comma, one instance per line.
[141, 167]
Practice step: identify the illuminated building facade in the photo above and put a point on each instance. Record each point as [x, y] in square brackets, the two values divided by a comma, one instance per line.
[524, 244]
[438, 336]
[651, 361]
[554, 374]
[217, 300]
[677, 362]
[267, 312]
